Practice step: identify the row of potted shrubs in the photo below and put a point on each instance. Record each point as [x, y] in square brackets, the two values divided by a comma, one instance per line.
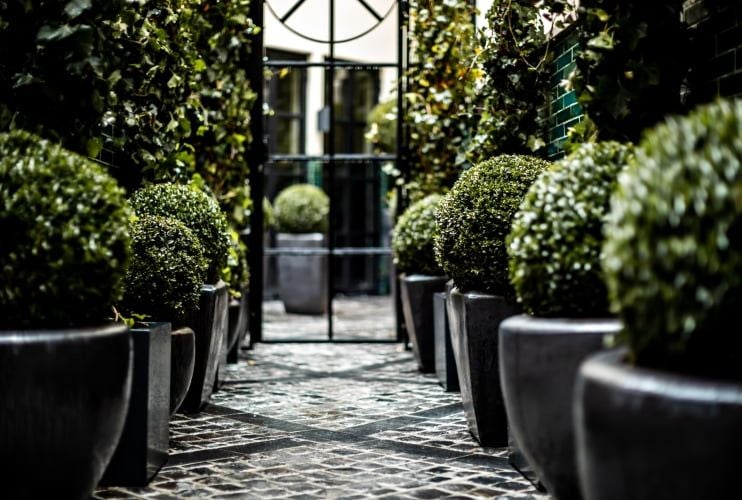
[634, 247]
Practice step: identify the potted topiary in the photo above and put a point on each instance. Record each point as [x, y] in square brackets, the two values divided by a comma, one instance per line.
[421, 276]
[201, 214]
[662, 419]
[301, 212]
[237, 276]
[65, 370]
[554, 247]
[473, 221]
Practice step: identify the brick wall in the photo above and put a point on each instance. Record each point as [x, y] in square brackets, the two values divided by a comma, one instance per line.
[564, 110]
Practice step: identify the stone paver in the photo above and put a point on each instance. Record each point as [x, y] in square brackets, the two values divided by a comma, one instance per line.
[329, 421]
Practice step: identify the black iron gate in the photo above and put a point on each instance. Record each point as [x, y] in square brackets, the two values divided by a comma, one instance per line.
[331, 160]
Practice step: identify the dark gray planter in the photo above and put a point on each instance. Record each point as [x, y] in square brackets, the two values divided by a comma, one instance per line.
[144, 443]
[63, 401]
[417, 306]
[474, 319]
[302, 279]
[648, 434]
[209, 325]
[445, 364]
[539, 359]
[182, 359]
[238, 322]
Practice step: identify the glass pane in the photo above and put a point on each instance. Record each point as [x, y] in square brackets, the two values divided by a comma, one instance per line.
[288, 135]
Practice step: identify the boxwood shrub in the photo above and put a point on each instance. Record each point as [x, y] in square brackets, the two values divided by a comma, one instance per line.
[237, 272]
[64, 243]
[167, 269]
[412, 239]
[673, 248]
[556, 238]
[474, 219]
[197, 210]
[301, 208]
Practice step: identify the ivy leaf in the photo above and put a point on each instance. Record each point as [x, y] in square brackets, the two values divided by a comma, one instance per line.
[76, 7]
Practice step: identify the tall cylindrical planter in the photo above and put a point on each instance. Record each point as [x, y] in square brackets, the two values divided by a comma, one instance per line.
[445, 364]
[182, 359]
[239, 312]
[651, 435]
[539, 359]
[417, 306]
[63, 404]
[209, 324]
[474, 319]
[302, 279]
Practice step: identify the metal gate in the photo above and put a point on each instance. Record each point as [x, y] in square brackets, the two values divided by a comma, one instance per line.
[332, 161]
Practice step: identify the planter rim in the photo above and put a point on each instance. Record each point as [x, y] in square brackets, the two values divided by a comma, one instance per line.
[210, 287]
[183, 330]
[63, 334]
[476, 295]
[536, 325]
[301, 236]
[423, 277]
[610, 369]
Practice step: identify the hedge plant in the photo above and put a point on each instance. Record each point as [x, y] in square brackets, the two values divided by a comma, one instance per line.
[301, 208]
[382, 126]
[197, 210]
[556, 238]
[236, 273]
[167, 269]
[673, 248]
[412, 239]
[65, 240]
[474, 219]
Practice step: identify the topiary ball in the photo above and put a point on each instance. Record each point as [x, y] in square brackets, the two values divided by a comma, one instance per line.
[269, 219]
[673, 249]
[197, 210]
[65, 240]
[556, 237]
[474, 218]
[301, 208]
[167, 269]
[412, 239]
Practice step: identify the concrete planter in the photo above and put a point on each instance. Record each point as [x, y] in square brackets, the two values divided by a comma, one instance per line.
[417, 306]
[539, 359]
[302, 279]
[445, 363]
[182, 359]
[239, 311]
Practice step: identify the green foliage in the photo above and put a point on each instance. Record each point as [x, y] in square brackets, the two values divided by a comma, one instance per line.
[197, 210]
[474, 219]
[167, 269]
[556, 237]
[440, 85]
[65, 240]
[673, 248]
[382, 126]
[511, 99]
[301, 208]
[412, 239]
[236, 273]
[269, 219]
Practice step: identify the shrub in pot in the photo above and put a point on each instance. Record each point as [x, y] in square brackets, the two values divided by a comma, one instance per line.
[554, 248]
[473, 221]
[302, 213]
[412, 245]
[63, 252]
[200, 213]
[237, 275]
[661, 419]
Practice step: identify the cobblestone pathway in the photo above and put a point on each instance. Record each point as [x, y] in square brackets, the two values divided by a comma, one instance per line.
[330, 421]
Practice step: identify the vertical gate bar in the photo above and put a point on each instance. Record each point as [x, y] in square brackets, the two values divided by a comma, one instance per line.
[401, 151]
[256, 157]
[330, 82]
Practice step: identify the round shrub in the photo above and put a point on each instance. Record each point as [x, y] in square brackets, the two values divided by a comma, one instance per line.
[269, 220]
[412, 240]
[673, 248]
[237, 272]
[301, 208]
[197, 210]
[556, 237]
[474, 218]
[64, 239]
[167, 269]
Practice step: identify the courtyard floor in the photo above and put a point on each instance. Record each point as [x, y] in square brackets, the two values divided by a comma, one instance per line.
[329, 421]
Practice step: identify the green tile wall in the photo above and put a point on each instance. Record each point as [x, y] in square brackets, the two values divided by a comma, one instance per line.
[564, 111]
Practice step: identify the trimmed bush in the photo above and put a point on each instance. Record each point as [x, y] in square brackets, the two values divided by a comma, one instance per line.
[474, 219]
[412, 240]
[301, 208]
[197, 210]
[556, 237]
[673, 248]
[237, 272]
[167, 269]
[382, 126]
[64, 243]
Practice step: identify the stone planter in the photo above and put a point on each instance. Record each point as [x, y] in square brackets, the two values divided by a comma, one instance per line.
[182, 359]
[143, 447]
[63, 405]
[539, 359]
[417, 306]
[649, 434]
[209, 325]
[445, 364]
[474, 319]
[302, 279]
[239, 311]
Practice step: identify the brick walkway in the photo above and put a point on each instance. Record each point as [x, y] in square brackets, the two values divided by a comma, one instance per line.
[330, 421]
